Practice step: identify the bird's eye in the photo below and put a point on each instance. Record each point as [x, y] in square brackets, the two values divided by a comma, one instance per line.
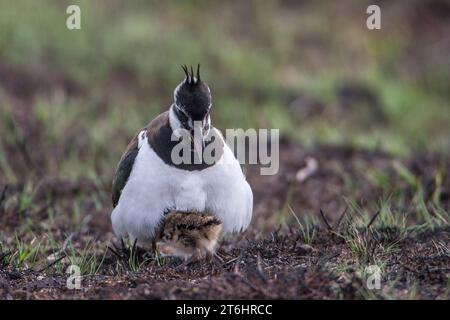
[184, 113]
[183, 116]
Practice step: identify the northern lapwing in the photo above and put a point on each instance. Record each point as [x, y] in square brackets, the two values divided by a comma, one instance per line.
[189, 235]
[148, 183]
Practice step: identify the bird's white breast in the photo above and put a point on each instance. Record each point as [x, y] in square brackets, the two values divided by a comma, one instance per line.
[155, 187]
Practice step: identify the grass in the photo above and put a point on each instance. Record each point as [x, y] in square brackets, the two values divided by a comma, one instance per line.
[86, 258]
[307, 227]
[250, 79]
[26, 254]
[373, 239]
[432, 215]
[72, 100]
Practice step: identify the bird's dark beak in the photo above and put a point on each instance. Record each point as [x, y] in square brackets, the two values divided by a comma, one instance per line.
[197, 138]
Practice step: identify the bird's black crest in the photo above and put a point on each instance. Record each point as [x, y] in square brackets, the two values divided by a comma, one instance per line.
[190, 78]
[193, 94]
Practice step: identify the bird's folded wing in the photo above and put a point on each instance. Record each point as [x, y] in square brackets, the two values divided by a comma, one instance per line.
[124, 169]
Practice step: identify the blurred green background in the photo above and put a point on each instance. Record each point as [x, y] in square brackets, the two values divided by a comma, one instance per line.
[71, 100]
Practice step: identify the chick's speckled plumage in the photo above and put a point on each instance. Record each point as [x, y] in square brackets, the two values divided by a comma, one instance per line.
[189, 234]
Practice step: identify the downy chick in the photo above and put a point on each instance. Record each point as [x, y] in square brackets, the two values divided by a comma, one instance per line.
[189, 235]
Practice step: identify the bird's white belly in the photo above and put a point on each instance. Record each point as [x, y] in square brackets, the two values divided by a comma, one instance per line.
[154, 187]
[189, 192]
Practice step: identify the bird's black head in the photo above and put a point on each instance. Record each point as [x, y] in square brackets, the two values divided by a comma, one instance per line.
[192, 97]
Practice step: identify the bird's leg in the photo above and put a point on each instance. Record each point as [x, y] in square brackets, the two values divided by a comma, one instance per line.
[184, 264]
[154, 246]
[199, 255]
[194, 257]
[217, 256]
[209, 256]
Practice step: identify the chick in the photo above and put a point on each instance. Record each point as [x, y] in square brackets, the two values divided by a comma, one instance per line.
[189, 235]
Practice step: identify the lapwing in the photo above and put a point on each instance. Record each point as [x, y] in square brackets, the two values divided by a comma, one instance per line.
[189, 235]
[148, 183]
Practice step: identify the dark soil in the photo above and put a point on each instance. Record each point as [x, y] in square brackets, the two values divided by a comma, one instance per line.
[270, 261]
